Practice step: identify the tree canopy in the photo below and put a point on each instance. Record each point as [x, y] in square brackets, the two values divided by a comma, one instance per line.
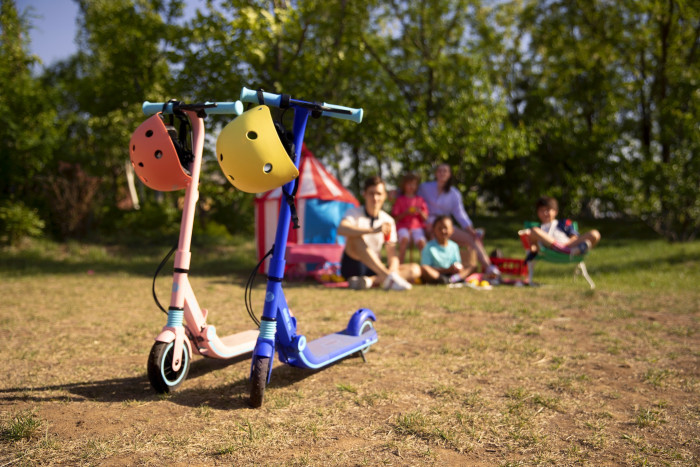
[594, 102]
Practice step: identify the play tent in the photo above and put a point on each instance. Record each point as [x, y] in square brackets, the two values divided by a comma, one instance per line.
[321, 202]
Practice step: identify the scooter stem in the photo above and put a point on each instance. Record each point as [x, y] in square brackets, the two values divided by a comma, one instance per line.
[276, 268]
[191, 193]
[183, 255]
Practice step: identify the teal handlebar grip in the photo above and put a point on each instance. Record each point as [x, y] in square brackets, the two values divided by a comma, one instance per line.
[217, 108]
[327, 110]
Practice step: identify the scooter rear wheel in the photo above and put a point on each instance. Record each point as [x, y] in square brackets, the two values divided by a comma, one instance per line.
[258, 380]
[160, 367]
[367, 325]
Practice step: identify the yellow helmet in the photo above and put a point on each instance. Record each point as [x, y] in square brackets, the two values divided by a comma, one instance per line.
[251, 153]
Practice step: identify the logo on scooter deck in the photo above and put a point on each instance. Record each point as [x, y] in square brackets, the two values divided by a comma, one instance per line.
[269, 297]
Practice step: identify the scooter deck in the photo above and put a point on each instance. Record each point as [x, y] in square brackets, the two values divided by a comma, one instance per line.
[245, 340]
[229, 346]
[327, 349]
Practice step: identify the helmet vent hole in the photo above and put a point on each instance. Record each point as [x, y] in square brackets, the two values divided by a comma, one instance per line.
[267, 168]
[252, 135]
[221, 157]
[231, 177]
[149, 133]
[133, 148]
[140, 164]
[158, 154]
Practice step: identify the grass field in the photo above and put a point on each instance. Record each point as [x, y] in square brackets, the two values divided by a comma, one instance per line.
[556, 374]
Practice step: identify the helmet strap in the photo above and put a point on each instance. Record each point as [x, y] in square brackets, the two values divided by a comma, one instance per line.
[287, 140]
[292, 207]
[290, 198]
[179, 135]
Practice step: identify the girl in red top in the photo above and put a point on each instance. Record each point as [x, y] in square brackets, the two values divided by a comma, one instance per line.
[410, 213]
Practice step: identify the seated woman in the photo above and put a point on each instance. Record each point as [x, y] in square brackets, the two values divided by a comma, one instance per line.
[444, 199]
[557, 235]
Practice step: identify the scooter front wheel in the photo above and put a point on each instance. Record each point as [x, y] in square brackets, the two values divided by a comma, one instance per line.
[160, 367]
[258, 380]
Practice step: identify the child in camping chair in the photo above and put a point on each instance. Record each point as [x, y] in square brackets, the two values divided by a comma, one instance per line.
[557, 235]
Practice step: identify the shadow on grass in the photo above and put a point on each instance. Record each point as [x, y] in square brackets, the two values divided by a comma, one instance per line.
[53, 258]
[223, 397]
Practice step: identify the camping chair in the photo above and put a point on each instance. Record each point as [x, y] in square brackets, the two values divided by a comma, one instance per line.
[552, 256]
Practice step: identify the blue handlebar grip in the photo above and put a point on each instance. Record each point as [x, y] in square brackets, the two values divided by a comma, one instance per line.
[249, 95]
[355, 115]
[151, 108]
[226, 108]
[222, 108]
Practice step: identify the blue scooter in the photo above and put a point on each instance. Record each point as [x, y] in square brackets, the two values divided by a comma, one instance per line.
[278, 329]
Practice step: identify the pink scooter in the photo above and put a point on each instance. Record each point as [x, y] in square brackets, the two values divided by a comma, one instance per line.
[161, 158]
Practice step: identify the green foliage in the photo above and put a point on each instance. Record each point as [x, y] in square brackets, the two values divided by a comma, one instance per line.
[18, 221]
[28, 128]
[609, 91]
[211, 233]
[220, 203]
[593, 102]
[71, 192]
[123, 61]
[153, 223]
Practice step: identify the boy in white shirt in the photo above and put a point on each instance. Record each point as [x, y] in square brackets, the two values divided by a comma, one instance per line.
[367, 229]
[558, 235]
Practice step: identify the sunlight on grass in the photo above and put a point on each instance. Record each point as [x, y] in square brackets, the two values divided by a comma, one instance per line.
[550, 375]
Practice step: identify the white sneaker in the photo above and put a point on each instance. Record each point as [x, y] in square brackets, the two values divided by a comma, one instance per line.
[395, 282]
[492, 271]
[360, 282]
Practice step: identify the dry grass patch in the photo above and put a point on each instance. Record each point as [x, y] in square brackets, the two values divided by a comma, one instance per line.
[514, 376]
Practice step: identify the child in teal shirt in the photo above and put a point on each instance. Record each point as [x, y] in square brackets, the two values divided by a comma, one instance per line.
[440, 259]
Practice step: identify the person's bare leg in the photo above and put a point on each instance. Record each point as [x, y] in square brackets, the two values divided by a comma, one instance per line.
[357, 249]
[429, 273]
[410, 271]
[592, 238]
[467, 271]
[462, 237]
[403, 245]
[538, 235]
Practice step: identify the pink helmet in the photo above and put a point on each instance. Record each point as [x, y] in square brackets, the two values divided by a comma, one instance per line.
[158, 157]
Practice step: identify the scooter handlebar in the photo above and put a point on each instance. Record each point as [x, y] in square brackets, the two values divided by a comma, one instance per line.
[327, 110]
[210, 108]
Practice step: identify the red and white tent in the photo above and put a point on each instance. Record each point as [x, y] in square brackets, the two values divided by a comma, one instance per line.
[321, 202]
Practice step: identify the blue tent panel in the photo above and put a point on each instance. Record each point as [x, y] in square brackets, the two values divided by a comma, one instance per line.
[322, 219]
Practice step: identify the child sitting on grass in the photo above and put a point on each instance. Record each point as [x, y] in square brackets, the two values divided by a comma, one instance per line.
[440, 258]
[557, 235]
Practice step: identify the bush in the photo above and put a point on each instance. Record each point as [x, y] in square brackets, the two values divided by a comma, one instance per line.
[70, 193]
[211, 233]
[18, 221]
[153, 223]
